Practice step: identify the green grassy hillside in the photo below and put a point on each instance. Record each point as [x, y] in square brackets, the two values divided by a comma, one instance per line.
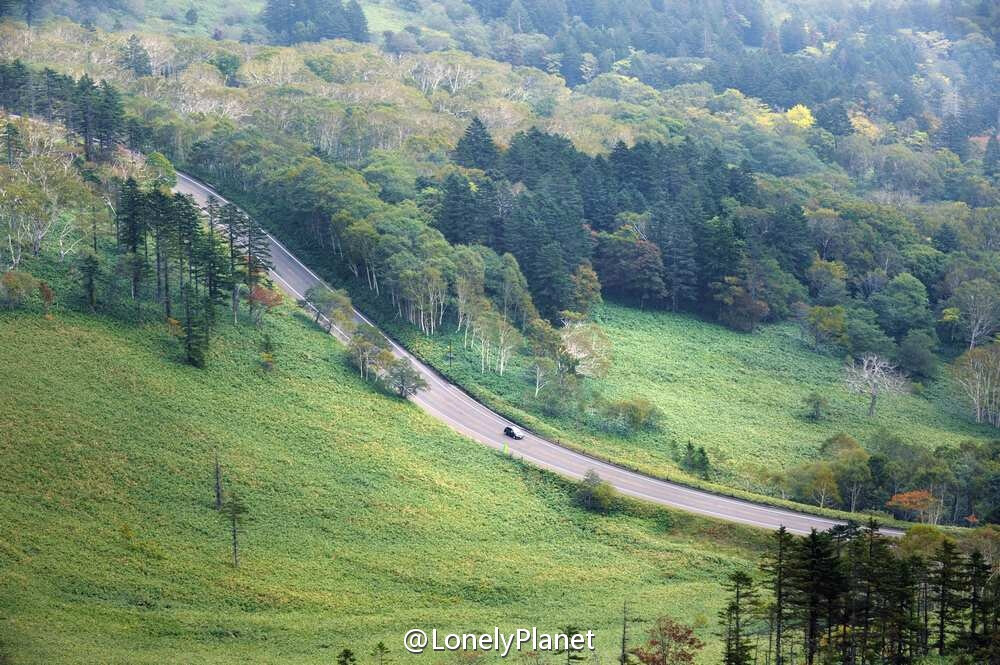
[232, 18]
[365, 518]
[740, 396]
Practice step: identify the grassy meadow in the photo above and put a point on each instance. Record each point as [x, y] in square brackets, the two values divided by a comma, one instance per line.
[740, 396]
[366, 517]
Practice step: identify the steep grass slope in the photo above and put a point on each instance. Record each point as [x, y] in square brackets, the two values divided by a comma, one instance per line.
[365, 517]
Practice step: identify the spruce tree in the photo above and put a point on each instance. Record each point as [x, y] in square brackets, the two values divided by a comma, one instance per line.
[776, 566]
[258, 257]
[212, 257]
[991, 160]
[947, 592]
[459, 215]
[357, 21]
[233, 224]
[560, 211]
[976, 574]
[160, 221]
[86, 100]
[735, 617]
[132, 227]
[680, 267]
[815, 584]
[109, 119]
[195, 326]
[89, 268]
[135, 57]
[13, 146]
[553, 289]
[954, 136]
[476, 149]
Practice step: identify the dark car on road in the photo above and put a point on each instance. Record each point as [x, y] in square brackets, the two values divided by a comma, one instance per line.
[513, 432]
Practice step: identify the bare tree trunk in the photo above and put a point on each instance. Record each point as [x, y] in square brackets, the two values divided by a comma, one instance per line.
[218, 484]
[236, 548]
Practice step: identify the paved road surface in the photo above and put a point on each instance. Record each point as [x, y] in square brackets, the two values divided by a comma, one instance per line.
[451, 405]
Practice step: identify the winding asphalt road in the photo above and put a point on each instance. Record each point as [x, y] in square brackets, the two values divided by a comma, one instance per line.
[454, 407]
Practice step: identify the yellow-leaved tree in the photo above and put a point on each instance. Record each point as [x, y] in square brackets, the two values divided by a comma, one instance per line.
[800, 116]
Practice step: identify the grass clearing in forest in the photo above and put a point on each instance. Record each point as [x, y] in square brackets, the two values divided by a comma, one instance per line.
[738, 395]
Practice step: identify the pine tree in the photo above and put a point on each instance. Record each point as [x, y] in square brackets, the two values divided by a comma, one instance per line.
[186, 219]
[476, 149]
[347, 657]
[493, 206]
[381, 654]
[213, 258]
[30, 10]
[329, 21]
[869, 565]
[16, 80]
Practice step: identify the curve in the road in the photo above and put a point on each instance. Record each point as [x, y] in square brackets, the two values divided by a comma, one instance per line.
[460, 411]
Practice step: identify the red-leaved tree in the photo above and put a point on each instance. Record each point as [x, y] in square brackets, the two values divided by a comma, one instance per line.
[917, 502]
[262, 299]
[669, 643]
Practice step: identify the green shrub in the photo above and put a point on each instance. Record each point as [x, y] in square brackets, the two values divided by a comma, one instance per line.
[595, 494]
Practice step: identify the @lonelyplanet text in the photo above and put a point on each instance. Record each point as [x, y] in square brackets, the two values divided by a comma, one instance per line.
[417, 640]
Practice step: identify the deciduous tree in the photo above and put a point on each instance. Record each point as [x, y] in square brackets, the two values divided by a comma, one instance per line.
[873, 376]
[669, 643]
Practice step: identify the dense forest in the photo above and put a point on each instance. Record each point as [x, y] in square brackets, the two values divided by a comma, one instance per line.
[672, 225]
[850, 595]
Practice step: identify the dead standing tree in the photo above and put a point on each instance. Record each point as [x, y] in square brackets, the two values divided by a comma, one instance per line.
[218, 483]
[874, 376]
[233, 513]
